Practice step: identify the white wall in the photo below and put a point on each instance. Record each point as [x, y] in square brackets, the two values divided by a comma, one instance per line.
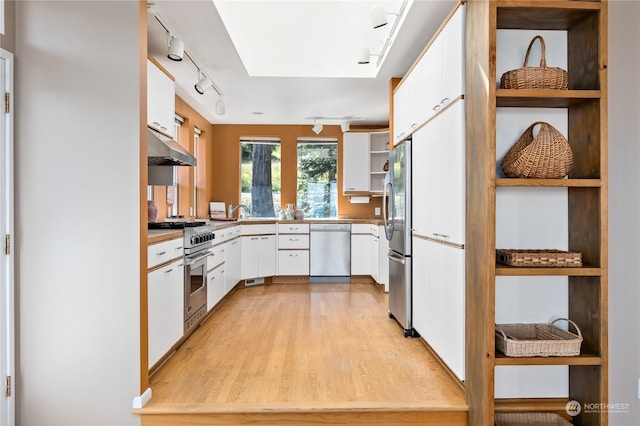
[624, 210]
[77, 199]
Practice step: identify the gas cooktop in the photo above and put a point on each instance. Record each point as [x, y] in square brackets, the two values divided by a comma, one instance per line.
[175, 224]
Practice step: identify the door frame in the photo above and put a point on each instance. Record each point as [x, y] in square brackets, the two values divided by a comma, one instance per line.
[7, 290]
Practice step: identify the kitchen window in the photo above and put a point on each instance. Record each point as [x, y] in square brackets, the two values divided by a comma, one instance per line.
[317, 192]
[260, 176]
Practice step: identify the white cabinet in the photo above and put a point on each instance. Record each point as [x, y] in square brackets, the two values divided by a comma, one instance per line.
[293, 249]
[378, 157]
[452, 54]
[232, 264]
[439, 300]
[165, 308]
[161, 99]
[258, 251]
[215, 285]
[355, 154]
[439, 164]
[402, 104]
[164, 251]
[360, 249]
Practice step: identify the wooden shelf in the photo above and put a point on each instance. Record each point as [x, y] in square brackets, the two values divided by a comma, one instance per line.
[547, 98]
[515, 405]
[582, 359]
[570, 183]
[543, 15]
[380, 152]
[517, 271]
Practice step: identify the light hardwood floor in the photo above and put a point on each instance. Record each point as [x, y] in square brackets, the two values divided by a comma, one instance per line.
[301, 353]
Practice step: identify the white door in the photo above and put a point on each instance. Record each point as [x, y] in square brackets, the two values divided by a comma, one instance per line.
[7, 402]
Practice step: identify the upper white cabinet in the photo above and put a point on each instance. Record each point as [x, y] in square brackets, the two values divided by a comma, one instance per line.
[435, 80]
[364, 158]
[161, 99]
[439, 164]
[355, 154]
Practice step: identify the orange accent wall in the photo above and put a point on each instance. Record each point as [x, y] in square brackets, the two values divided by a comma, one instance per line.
[225, 183]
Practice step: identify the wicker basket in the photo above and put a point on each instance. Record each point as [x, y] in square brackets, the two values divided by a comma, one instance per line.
[541, 77]
[545, 156]
[525, 340]
[532, 419]
[542, 258]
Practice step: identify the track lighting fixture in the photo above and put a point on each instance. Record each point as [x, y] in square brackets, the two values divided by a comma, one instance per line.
[378, 17]
[317, 127]
[365, 56]
[176, 48]
[203, 85]
[345, 126]
[220, 107]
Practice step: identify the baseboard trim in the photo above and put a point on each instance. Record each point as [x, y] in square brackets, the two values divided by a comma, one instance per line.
[142, 400]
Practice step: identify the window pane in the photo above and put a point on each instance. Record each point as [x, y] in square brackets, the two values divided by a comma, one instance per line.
[260, 178]
[317, 186]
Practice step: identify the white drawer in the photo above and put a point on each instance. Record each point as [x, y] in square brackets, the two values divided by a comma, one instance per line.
[360, 228]
[259, 229]
[373, 230]
[293, 241]
[163, 252]
[217, 256]
[221, 236]
[293, 262]
[293, 228]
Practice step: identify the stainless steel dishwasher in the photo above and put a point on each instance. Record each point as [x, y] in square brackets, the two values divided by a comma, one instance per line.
[330, 250]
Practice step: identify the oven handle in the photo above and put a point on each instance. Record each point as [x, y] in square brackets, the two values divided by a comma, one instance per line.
[191, 261]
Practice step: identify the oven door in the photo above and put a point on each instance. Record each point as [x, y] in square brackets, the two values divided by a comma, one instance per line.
[195, 283]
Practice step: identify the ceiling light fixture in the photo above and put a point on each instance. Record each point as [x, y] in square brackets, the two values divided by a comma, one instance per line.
[176, 48]
[220, 107]
[317, 127]
[206, 82]
[203, 85]
[345, 126]
[378, 19]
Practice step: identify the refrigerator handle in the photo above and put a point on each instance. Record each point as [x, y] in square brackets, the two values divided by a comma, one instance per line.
[388, 194]
[396, 258]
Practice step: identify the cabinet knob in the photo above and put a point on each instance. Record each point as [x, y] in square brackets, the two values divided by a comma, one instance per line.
[437, 107]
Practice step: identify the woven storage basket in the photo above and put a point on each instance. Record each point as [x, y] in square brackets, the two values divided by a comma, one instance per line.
[542, 77]
[524, 340]
[532, 419]
[546, 155]
[542, 258]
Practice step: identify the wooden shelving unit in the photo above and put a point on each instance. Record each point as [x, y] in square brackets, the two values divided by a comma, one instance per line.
[585, 23]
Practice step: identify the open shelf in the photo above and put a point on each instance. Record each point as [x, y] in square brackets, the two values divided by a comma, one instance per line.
[515, 405]
[543, 15]
[547, 98]
[582, 359]
[569, 183]
[518, 271]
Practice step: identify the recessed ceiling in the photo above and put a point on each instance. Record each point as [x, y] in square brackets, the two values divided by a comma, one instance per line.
[280, 97]
[306, 38]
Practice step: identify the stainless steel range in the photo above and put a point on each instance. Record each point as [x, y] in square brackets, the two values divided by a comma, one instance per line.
[197, 241]
[198, 238]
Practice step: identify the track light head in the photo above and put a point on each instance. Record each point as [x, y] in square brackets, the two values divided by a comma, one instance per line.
[176, 49]
[317, 127]
[364, 56]
[377, 17]
[203, 85]
[220, 107]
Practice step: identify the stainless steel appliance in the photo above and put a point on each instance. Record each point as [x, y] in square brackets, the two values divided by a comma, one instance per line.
[330, 252]
[198, 238]
[397, 224]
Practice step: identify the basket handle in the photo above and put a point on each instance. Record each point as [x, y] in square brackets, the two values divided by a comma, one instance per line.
[570, 322]
[543, 49]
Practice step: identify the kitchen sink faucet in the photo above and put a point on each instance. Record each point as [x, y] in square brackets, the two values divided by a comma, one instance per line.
[232, 209]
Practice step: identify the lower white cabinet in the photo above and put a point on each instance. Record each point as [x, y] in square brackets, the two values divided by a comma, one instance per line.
[215, 285]
[165, 308]
[259, 254]
[232, 264]
[439, 300]
[293, 262]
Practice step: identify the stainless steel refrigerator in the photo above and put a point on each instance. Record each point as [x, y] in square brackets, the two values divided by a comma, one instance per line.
[397, 224]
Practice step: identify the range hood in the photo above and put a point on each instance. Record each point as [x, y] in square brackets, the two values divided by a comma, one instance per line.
[164, 151]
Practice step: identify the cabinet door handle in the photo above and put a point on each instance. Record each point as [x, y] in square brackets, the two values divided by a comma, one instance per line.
[441, 235]
[264, 238]
[444, 101]
[414, 125]
[437, 107]
[293, 239]
[161, 253]
[179, 248]
[156, 124]
[235, 242]
[254, 238]
[293, 255]
[168, 270]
